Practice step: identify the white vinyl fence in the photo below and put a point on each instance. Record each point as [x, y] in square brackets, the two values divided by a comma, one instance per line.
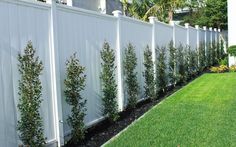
[58, 31]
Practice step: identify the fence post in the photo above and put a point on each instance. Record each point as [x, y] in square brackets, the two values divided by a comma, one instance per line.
[205, 39]
[211, 39]
[55, 81]
[198, 40]
[187, 27]
[153, 20]
[215, 35]
[120, 93]
[172, 23]
[49, 1]
[69, 3]
[219, 41]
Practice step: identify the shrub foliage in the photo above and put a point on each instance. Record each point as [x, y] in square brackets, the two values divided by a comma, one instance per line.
[172, 63]
[130, 63]
[181, 72]
[149, 74]
[109, 86]
[161, 75]
[74, 84]
[30, 124]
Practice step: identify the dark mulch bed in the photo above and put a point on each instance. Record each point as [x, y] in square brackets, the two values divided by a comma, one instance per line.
[105, 130]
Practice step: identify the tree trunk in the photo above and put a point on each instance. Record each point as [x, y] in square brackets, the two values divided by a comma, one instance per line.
[170, 15]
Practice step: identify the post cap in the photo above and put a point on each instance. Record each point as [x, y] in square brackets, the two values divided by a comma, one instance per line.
[117, 13]
[197, 26]
[215, 29]
[219, 30]
[210, 28]
[186, 25]
[172, 23]
[204, 28]
[152, 19]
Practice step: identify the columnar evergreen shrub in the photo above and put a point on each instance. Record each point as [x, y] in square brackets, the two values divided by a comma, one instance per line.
[109, 86]
[149, 74]
[222, 48]
[74, 84]
[161, 75]
[201, 57]
[181, 72]
[188, 68]
[218, 51]
[130, 63]
[213, 53]
[209, 55]
[193, 63]
[172, 63]
[30, 124]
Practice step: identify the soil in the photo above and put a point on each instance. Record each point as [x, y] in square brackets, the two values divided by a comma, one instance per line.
[105, 130]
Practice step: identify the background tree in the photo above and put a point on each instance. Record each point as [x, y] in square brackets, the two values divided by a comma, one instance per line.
[30, 124]
[161, 76]
[109, 86]
[211, 13]
[170, 6]
[162, 9]
[130, 63]
[149, 74]
[74, 84]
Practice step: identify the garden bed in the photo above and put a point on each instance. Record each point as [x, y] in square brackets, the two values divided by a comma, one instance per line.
[105, 130]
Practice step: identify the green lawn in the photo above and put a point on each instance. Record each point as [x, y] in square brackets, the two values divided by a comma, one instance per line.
[202, 114]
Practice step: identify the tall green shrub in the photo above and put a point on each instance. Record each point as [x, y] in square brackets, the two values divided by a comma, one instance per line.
[222, 53]
[149, 74]
[130, 63]
[161, 75]
[181, 64]
[172, 63]
[201, 57]
[213, 53]
[187, 59]
[30, 124]
[74, 85]
[209, 55]
[193, 63]
[109, 86]
[218, 51]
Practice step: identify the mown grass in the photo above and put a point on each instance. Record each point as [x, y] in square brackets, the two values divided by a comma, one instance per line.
[202, 114]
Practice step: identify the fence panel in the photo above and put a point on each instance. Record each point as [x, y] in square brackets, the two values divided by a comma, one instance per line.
[208, 38]
[21, 22]
[193, 38]
[139, 34]
[180, 35]
[201, 36]
[164, 34]
[84, 33]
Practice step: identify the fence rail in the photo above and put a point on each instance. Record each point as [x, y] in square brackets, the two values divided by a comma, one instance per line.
[57, 32]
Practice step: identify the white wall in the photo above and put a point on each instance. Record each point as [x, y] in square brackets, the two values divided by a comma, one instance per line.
[58, 31]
